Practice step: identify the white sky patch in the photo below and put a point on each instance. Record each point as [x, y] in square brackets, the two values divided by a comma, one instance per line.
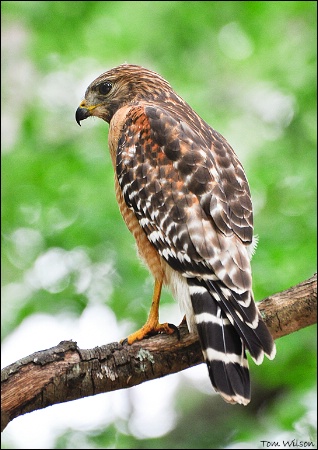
[25, 244]
[272, 105]
[96, 326]
[234, 42]
[53, 270]
[154, 413]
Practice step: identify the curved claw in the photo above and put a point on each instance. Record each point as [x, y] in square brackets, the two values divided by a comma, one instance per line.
[175, 330]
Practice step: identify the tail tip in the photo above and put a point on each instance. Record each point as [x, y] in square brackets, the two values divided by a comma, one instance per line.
[260, 357]
[235, 399]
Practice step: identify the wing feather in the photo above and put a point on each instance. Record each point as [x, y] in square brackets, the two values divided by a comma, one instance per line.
[192, 190]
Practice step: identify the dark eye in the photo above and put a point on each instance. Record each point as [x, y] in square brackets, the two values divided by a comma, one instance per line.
[104, 88]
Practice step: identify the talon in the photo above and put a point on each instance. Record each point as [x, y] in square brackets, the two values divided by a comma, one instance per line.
[150, 329]
[175, 330]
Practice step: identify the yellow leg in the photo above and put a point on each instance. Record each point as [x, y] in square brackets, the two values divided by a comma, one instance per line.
[152, 326]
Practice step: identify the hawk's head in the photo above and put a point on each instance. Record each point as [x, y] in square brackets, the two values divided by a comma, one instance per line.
[125, 84]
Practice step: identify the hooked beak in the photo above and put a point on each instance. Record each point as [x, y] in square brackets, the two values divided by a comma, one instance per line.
[82, 113]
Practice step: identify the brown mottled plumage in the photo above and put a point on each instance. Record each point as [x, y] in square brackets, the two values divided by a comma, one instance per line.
[184, 196]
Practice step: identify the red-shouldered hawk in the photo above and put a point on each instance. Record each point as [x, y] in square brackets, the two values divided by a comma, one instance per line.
[185, 198]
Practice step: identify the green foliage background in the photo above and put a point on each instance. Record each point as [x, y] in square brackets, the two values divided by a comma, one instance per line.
[249, 69]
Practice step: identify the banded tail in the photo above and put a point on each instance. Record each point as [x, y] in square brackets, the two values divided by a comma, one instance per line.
[229, 324]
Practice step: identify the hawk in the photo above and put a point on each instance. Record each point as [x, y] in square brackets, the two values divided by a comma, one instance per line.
[185, 198]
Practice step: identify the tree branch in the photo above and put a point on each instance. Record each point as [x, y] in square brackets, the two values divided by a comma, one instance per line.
[65, 372]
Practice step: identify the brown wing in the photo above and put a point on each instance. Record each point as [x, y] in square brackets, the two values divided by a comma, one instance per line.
[190, 196]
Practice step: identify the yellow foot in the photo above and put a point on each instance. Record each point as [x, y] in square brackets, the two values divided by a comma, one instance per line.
[151, 329]
[152, 326]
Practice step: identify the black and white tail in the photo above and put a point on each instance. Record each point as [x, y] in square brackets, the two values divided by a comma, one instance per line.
[228, 324]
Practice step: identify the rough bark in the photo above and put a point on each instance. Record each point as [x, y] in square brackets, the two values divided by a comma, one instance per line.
[66, 372]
